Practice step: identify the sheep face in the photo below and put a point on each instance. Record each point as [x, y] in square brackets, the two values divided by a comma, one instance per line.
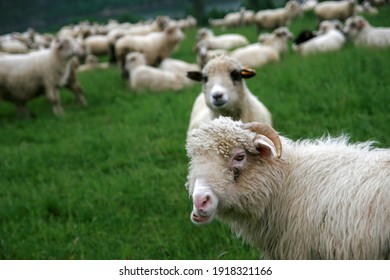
[68, 48]
[133, 60]
[174, 34]
[354, 26]
[224, 157]
[223, 84]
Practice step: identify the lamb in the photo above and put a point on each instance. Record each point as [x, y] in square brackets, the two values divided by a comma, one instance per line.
[156, 46]
[224, 41]
[144, 77]
[25, 76]
[271, 19]
[329, 10]
[364, 34]
[225, 93]
[319, 199]
[329, 38]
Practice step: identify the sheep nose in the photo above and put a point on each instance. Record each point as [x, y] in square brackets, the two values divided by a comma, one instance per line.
[202, 203]
[217, 96]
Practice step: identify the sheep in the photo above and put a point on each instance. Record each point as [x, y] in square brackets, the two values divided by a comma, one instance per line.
[225, 93]
[269, 49]
[363, 34]
[224, 41]
[329, 10]
[142, 76]
[25, 76]
[91, 63]
[204, 53]
[12, 46]
[329, 38]
[271, 19]
[319, 199]
[97, 45]
[156, 45]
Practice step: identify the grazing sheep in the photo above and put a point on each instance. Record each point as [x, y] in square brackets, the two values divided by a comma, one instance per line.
[363, 34]
[271, 19]
[155, 46]
[329, 10]
[225, 93]
[224, 41]
[143, 76]
[329, 38]
[25, 76]
[319, 199]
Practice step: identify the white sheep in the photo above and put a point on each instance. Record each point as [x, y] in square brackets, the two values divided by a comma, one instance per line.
[364, 34]
[329, 10]
[273, 18]
[144, 77]
[155, 46]
[26, 76]
[223, 41]
[92, 63]
[269, 49]
[12, 45]
[97, 45]
[204, 53]
[319, 199]
[329, 39]
[224, 93]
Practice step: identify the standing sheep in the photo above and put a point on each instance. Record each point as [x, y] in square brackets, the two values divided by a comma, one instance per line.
[329, 10]
[155, 46]
[225, 93]
[320, 199]
[271, 19]
[26, 76]
[363, 34]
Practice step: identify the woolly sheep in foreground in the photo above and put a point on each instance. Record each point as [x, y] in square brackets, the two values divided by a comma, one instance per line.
[329, 10]
[224, 41]
[142, 76]
[26, 76]
[224, 93]
[319, 199]
[155, 46]
[329, 39]
[363, 34]
[270, 19]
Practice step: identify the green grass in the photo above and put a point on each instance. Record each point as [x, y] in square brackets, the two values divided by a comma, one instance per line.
[107, 181]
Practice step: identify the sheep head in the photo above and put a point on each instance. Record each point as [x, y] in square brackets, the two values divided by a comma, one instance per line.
[223, 85]
[354, 26]
[227, 159]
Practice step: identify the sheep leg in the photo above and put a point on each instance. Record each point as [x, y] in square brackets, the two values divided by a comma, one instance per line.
[23, 111]
[52, 95]
[77, 92]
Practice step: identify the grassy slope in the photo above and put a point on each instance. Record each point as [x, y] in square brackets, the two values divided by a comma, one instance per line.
[107, 181]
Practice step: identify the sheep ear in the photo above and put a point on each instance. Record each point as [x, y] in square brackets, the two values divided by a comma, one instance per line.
[195, 75]
[247, 73]
[264, 146]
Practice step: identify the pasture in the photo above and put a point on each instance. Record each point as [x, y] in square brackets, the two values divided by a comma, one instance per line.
[107, 181]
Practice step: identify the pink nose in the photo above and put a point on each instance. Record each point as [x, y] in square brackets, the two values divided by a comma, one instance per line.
[202, 202]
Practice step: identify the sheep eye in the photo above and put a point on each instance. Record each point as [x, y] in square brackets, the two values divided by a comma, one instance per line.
[236, 75]
[239, 157]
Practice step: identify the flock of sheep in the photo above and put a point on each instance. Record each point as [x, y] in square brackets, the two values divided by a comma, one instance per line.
[319, 199]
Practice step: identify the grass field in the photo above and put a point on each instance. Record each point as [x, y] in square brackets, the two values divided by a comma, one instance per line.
[107, 181]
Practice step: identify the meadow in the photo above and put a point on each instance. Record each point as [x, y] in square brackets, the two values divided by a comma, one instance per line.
[107, 181]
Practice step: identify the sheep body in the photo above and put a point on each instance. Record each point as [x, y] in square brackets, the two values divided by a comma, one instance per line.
[363, 34]
[322, 199]
[156, 45]
[142, 76]
[225, 93]
[329, 10]
[224, 41]
[255, 55]
[25, 76]
[97, 45]
[273, 18]
[329, 39]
